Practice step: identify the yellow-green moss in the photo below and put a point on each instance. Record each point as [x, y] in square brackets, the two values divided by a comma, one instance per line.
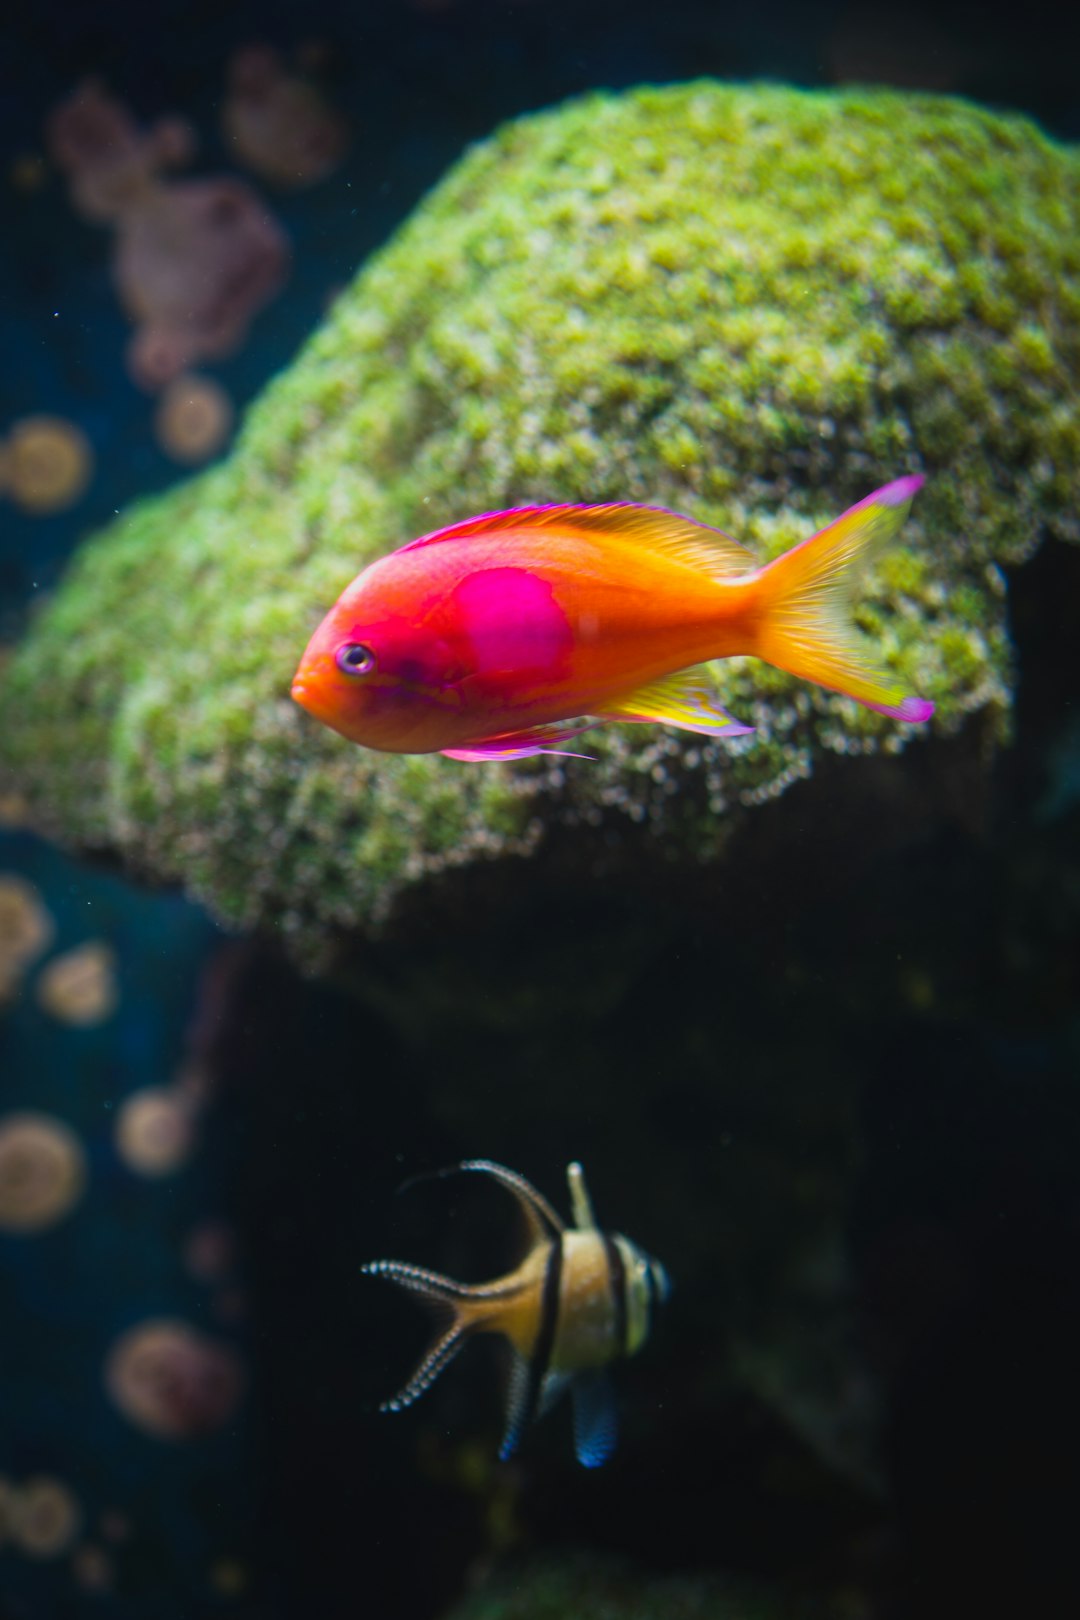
[749, 303]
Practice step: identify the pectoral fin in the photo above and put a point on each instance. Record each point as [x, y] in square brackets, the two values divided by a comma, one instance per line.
[685, 699]
[554, 1385]
[521, 744]
[596, 1423]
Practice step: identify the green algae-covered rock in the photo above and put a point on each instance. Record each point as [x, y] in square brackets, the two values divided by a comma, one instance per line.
[582, 1588]
[752, 304]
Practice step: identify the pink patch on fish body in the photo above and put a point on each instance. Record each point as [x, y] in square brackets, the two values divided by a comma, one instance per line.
[513, 625]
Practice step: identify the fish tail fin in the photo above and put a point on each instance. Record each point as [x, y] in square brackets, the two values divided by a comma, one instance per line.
[459, 1310]
[804, 603]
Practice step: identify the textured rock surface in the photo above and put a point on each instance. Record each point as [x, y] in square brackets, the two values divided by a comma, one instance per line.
[750, 303]
[585, 1589]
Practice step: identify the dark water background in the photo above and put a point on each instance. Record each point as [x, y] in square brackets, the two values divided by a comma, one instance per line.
[782, 1036]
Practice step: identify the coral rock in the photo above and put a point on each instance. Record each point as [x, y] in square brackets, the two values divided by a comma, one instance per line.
[749, 303]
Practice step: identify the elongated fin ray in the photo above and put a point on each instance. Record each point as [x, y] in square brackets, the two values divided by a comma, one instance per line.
[543, 1220]
[440, 1355]
[596, 1421]
[459, 1306]
[806, 599]
[685, 699]
[521, 744]
[696, 545]
[439, 1293]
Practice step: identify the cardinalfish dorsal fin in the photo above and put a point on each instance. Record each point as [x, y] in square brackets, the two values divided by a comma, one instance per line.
[696, 545]
[462, 1309]
[544, 1222]
[580, 1202]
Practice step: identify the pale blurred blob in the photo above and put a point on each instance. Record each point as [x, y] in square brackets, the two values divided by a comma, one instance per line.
[194, 419]
[278, 123]
[79, 987]
[27, 171]
[193, 259]
[110, 163]
[155, 1131]
[173, 1382]
[194, 1081]
[47, 464]
[92, 1568]
[14, 808]
[7, 1505]
[44, 1518]
[210, 1251]
[115, 1526]
[26, 930]
[228, 1577]
[42, 1171]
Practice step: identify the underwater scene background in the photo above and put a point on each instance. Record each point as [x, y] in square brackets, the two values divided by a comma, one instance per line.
[280, 289]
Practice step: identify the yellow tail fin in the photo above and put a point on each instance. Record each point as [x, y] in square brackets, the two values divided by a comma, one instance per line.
[805, 625]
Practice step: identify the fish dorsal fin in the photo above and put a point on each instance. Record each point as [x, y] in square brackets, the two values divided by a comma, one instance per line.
[580, 1202]
[696, 545]
[543, 1222]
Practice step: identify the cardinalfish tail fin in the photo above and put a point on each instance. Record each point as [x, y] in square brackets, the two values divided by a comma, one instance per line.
[806, 626]
[459, 1309]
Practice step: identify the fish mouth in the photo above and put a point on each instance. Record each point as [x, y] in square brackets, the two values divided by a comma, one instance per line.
[309, 693]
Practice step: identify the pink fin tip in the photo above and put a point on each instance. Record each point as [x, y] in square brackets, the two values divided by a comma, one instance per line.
[900, 490]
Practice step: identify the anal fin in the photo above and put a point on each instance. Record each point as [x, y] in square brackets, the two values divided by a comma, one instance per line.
[686, 699]
[521, 744]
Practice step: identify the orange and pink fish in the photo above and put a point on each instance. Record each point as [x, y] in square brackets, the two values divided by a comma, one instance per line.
[512, 633]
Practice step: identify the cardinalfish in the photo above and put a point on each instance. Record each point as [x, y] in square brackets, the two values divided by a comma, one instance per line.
[579, 1300]
[511, 633]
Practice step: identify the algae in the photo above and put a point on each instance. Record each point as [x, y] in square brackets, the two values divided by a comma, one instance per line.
[750, 303]
[580, 1587]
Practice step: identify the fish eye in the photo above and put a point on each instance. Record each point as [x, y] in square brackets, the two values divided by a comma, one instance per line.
[353, 658]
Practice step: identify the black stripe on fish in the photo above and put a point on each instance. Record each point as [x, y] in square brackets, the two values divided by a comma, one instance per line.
[545, 1335]
[617, 1284]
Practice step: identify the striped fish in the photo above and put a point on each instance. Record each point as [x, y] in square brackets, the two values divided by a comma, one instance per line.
[579, 1300]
